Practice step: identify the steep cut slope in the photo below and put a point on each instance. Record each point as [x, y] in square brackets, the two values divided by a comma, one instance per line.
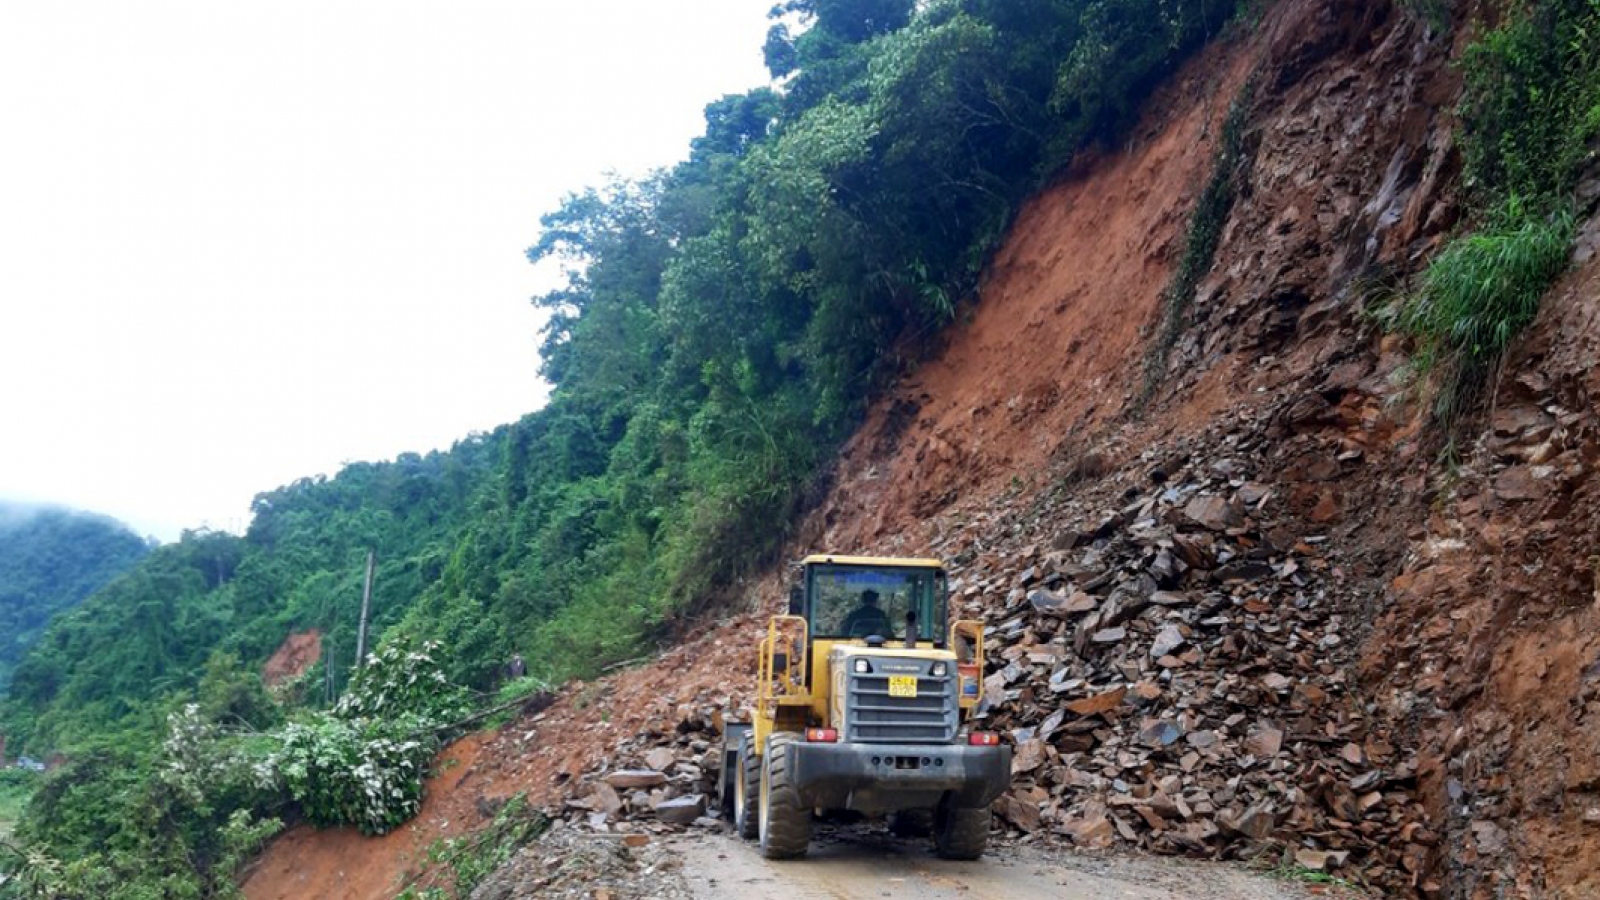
[1488, 644]
[1053, 347]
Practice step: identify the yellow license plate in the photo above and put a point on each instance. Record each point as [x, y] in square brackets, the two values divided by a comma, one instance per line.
[902, 685]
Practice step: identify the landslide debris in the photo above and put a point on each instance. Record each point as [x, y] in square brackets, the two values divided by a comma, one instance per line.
[571, 864]
[1172, 650]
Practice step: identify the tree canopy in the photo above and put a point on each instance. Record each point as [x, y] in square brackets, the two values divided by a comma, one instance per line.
[50, 560]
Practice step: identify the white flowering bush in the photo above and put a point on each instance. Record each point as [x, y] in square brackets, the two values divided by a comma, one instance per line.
[198, 762]
[402, 679]
[362, 772]
[363, 764]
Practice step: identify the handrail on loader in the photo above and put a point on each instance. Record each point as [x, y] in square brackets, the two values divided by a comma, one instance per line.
[965, 634]
[770, 685]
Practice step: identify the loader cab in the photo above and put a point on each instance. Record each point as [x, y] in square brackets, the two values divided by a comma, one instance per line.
[877, 602]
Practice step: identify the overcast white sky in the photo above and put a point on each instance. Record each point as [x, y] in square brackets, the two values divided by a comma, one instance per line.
[242, 243]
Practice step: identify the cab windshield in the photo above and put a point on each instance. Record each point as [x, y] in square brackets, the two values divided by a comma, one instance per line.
[860, 601]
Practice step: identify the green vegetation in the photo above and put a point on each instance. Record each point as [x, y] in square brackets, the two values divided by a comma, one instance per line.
[179, 820]
[1530, 111]
[1479, 291]
[50, 560]
[454, 866]
[1292, 871]
[16, 787]
[721, 327]
[1205, 233]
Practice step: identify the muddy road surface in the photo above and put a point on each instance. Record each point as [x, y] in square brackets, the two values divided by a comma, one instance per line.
[873, 866]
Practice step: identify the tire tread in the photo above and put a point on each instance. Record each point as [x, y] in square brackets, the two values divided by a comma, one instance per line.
[961, 832]
[788, 820]
[750, 771]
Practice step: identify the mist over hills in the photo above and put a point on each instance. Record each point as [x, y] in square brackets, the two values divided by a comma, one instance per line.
[51, 558]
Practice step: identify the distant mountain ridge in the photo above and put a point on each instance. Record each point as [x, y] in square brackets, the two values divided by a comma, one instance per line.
[51, 558]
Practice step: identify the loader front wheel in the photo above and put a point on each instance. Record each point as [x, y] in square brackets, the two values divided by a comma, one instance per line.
[747, 789]
[961, 832]
[785, 819]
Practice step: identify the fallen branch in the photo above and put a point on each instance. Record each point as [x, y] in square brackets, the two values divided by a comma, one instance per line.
[542, 698]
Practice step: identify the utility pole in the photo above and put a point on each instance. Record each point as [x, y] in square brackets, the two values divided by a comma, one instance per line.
[366, 604]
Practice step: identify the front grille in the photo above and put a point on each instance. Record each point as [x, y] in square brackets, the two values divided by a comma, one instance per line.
[871, 715]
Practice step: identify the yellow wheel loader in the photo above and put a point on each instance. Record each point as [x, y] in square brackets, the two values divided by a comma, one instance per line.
[863, 703]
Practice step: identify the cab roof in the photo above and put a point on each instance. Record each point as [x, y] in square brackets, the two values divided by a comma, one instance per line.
[886, 561]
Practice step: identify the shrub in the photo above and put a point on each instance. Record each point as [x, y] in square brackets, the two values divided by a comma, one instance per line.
[1531, 94]
[363, 764]
[366, 773]
[1484, 287]
[402, 679]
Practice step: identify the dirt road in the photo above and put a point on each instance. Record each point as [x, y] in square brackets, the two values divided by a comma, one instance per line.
[868, 866]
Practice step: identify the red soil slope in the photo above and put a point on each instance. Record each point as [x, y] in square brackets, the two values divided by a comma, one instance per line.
[1054, 344]
[298, 653]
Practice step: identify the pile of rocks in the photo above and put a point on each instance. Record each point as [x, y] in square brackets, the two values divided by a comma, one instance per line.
[657, 780]
[1173, 669]
[574, 864]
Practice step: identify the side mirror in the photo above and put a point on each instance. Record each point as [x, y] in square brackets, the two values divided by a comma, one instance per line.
[797, 601]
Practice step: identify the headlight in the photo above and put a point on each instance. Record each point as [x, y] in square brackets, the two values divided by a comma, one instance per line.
[863, 667]
[939, 670]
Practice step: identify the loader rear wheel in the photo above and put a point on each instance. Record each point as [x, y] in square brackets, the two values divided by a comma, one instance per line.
[961, 832]
[747, 789]
[785, 819]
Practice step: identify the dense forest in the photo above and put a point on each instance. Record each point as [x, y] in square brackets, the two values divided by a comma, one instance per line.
[147, 637]
[721, 327]
[50, 560]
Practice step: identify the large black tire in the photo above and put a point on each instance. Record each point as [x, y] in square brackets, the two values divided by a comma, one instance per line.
[785, 819]
[911, 823]
[747, 790]
[961, 832]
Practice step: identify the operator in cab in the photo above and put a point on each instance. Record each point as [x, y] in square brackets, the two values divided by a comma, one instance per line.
[868, 618]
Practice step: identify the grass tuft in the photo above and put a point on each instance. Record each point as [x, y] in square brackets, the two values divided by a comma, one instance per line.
[1477, 294]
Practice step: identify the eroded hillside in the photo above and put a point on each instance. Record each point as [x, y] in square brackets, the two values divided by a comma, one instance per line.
[1247, 612]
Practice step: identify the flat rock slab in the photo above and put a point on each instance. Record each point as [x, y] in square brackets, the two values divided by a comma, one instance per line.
[681, 810]
[660, 759]
[630, 779]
